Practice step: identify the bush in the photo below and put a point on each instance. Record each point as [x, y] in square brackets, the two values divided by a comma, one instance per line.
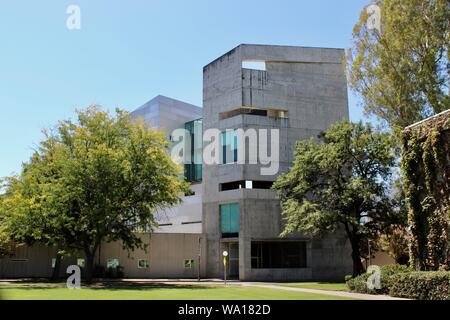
[114, 273]
[423, 285]
[359, 283]
[99, 271]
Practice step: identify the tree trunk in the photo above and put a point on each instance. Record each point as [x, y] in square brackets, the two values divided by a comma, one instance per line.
[57, 268]
[89, 271]
[356, 257]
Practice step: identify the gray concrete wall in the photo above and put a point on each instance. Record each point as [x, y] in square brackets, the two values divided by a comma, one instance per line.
[185, 217]
[166, 114]
[310, 84]
[165, 253]
[33, 262]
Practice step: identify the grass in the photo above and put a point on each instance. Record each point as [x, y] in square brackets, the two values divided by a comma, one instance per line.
[136, 291]
[317, 285]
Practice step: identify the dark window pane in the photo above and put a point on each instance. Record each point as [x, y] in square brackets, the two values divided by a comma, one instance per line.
[278, 254]
[262, 184]
[242, 184]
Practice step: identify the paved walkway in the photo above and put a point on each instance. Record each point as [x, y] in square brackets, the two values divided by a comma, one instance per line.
[327, 292]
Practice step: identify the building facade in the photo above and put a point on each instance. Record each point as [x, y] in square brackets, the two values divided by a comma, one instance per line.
[301, 92]
[287, 93]
[167, 114]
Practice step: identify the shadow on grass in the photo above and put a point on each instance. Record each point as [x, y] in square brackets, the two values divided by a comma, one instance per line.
[144, 286]
[138, 286]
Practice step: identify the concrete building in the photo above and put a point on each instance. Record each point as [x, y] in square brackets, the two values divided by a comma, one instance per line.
[297, 91]
[167, 114]
[300, 91]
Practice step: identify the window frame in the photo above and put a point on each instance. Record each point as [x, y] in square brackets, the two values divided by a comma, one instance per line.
[230, 212]
[83, 264]
[259, 260]
[111, 259]
[147, 264]
[190, 265]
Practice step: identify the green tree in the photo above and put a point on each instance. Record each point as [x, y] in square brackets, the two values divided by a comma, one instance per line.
[32, 204]
[100, 178]
[342, 183]
[5, 240]
[402, 71]
[394, 239]
[425, 165]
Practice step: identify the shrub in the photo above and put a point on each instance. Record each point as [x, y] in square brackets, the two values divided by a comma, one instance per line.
[99, 271]
[423, 285]
[114, 272]
[359, 283]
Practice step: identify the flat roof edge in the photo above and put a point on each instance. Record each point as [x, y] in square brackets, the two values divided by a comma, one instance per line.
[248, 45]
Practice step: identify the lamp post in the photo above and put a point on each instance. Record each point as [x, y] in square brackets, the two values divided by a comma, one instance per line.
[199, 257]
[225, 255]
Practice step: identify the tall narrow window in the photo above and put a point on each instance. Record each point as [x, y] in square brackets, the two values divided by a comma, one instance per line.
[229, 142]
[235, 146]
[224, 147]
[229, 220]
[193, 170]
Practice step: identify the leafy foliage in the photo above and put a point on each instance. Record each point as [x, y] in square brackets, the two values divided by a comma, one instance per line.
[359, 283]
[426, 169]
[402, 71]
[428, 285]
[394, 241]
[342, 182]
[100, 178]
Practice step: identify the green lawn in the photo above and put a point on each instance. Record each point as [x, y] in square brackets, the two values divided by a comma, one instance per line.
[317, 285]
[135, 291]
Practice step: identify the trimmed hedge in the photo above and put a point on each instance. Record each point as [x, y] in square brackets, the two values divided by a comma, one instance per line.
[422, 285]
[401, 281]
[359, 283]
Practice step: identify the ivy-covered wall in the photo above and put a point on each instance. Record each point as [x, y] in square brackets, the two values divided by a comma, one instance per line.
[426, 170]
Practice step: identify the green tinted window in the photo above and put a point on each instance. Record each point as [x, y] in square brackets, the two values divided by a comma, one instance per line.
[229, 143]
[193, 170]
[229, 220]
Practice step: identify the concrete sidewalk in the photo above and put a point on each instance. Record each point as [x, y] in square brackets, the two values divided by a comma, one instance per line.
[327, 292]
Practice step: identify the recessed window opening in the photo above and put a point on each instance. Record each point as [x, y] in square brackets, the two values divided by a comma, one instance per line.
[254, 65]
[229, 220]
[189, 263]
[112, 263]
[278, 254]
[143, 264]
[272, 113]
[191, 222]
[245, 184]
[229, 146]
[81, 262]
[165, 224]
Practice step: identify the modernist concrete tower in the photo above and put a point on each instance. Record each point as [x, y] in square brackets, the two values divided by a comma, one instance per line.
[300, 91]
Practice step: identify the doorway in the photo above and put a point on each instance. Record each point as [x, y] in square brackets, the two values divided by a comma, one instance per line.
[233, 260]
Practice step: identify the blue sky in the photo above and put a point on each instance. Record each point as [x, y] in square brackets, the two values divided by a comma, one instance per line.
[129, 51]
